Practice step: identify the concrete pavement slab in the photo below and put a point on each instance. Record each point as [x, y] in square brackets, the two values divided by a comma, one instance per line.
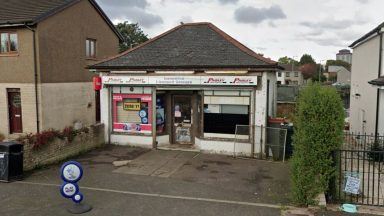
[157, 163]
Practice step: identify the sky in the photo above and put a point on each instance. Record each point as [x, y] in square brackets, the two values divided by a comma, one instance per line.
[275, 28]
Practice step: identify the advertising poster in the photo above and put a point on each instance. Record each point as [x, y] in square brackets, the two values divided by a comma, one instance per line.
[132, 117]
[160, 115]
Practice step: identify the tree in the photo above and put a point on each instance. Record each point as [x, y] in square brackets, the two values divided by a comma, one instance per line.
[331, 62]
[318, 125]
[308, 70]
[288, 60]
[319, 69]
[307, 59]
[132, 34]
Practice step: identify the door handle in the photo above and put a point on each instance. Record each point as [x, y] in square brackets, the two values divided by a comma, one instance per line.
[18, 116]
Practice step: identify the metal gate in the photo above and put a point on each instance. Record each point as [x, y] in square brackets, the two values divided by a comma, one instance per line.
[359, 169]
[268, 143]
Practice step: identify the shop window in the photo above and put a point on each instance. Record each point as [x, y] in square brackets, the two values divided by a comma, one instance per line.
[160, 114]
[132, 113]
[223, 119]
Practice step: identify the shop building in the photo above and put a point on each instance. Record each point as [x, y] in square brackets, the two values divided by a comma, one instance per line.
[188, 88]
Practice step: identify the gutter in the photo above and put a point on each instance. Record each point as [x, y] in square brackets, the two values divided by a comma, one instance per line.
[367, 36]
[35, 78]
[378, 89]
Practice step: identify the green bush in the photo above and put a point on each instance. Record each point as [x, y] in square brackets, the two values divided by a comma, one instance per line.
[318, 122]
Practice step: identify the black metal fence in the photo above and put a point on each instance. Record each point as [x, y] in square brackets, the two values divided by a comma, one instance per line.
[363, 141]
[359, 171]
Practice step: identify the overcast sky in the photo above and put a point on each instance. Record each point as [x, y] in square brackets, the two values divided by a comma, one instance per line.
[273, 27]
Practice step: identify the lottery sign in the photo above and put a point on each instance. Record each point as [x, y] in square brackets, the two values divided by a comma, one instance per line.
[71, 172]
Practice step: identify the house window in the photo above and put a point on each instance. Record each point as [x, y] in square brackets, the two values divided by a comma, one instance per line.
[287, 74]
[279, 74]
[296, 74]
[90, 48]
[8, 43]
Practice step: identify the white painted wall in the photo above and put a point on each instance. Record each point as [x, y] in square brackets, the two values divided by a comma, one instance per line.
[224, 147]
[281, 78]
[131, 140]
[261, 108]
[381, 113]
[105, 105]
[162, 140]
[364, 68]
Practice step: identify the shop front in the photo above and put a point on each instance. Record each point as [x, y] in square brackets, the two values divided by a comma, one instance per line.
[193, 112]
[193, 87]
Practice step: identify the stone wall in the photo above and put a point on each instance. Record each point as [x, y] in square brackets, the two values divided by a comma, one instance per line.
[59, 149]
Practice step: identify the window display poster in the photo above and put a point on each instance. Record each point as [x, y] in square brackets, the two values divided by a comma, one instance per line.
[177, 111]
[143, 112]
[160, 115]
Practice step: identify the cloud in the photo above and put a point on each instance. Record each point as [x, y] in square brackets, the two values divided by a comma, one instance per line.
[257, 15]
[315, 32]
[329, 41]
[131, 10]
[363, 1]
[350, 35]
[125, 3]
[185, 19]
[142, 17]
[331, 23]
[228, 1]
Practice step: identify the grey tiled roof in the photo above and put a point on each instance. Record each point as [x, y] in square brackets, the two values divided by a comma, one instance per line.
[290, 67]
[28, 11]
[193, 45]
[31, 12]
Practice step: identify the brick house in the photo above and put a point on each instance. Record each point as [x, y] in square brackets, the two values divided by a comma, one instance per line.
[45, 47]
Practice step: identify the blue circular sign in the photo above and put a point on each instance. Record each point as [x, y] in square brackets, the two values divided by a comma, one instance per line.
[69, 190]
[78, 197]
[143, 113]
[71, 171]
[144, 120]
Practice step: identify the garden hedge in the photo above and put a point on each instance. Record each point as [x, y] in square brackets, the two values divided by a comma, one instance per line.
[318, 124]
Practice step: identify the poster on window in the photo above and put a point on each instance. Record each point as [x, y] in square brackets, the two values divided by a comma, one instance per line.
[132, 113]
[160, 115]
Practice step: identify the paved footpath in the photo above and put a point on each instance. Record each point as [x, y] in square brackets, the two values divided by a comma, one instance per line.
[156, 183]
[196, 185]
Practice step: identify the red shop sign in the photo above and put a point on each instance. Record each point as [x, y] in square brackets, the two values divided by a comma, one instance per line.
[97, 83]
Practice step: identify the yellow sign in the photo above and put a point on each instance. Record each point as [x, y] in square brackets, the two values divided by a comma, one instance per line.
[131, 106]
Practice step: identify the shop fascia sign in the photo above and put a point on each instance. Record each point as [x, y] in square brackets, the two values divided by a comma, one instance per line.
[180, 80]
